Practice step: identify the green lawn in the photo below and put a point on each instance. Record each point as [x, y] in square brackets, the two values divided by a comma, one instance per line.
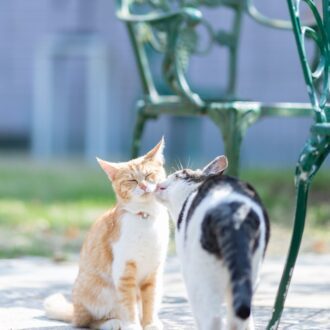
[46, 210]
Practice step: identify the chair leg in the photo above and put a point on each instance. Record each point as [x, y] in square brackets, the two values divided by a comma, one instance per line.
[232, 138]
[233, 124]
[138, 131]
[298, 229]
[310, 161]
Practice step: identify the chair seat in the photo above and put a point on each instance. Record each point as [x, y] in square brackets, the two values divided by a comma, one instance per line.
[175, 105]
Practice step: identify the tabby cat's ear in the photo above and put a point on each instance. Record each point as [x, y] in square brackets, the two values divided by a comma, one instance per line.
[110, 169]
[157, 152]
[216, 166]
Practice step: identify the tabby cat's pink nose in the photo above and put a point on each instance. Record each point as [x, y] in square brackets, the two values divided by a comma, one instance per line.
[143, 186]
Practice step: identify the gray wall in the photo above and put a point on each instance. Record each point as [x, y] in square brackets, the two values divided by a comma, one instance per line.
[268, 71]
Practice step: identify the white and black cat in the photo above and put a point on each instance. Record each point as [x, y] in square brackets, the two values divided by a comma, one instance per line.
[222, 231]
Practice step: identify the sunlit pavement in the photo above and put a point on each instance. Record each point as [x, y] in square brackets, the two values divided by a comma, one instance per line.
[24, 283]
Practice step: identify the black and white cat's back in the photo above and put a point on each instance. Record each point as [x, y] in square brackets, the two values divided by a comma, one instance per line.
[222, 232]
[227, 204]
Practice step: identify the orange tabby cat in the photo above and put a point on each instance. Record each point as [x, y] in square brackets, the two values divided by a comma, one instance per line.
[121, 261]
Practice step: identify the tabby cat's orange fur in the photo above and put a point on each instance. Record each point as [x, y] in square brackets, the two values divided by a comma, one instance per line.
[122, 258]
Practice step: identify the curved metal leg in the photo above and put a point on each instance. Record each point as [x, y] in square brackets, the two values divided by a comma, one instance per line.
[298, 229]
[233, 124]
[232, 137]
[138, 131]
[312, 157]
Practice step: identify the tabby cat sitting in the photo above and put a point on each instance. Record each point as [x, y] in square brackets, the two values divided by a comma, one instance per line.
[121, 261]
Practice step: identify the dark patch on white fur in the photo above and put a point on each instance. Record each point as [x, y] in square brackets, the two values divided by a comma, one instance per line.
[220, 220]
[181, 214]
[219, 181]
[235, 246]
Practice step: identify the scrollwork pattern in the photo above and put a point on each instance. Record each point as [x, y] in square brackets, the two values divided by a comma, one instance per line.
[319, 33]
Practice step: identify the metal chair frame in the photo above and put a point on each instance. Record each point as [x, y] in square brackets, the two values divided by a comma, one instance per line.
[173, 32]
[317, 146]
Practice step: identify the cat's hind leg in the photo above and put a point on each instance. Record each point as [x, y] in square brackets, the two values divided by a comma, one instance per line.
[206, 290]
[206, 307]
[251, 323]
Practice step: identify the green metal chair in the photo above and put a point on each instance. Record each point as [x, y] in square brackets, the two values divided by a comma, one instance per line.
[317, 147]
[170, 28]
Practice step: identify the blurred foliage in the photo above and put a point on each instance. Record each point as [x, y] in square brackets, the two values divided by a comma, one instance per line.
[277, 190]
[47, 209]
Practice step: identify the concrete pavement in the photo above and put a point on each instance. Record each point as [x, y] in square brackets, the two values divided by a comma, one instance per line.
[24, 283]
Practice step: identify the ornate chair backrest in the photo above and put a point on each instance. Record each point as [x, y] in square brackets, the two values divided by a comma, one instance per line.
[186, 41]
[320, 34]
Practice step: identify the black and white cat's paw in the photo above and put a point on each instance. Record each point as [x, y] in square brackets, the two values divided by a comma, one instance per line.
[155, 325]
[251, 323]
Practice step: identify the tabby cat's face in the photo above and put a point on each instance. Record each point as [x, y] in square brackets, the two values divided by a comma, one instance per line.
[136, 180]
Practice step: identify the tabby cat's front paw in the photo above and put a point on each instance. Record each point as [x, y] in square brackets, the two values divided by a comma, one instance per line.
[156, 325]
[112, 324]
[131, 326]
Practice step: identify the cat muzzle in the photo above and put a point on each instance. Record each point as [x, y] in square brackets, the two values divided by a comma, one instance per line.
[160, 193]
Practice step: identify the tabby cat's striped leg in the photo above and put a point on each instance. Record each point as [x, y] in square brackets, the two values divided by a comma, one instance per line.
[151, 299]
[127, 294]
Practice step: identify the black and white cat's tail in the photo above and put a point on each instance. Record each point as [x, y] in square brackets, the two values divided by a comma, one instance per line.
[236, 239]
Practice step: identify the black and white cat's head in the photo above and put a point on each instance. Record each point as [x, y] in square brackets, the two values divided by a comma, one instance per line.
[178, 186]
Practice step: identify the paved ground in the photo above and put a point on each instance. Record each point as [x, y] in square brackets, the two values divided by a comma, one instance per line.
[24, 283]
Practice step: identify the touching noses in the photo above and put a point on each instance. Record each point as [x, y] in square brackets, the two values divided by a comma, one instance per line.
[160, 187]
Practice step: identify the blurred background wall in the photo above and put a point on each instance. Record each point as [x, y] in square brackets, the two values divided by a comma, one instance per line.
[268, 70]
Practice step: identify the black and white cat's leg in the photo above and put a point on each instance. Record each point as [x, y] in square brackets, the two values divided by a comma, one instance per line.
[206, 304]
[256, 269]
[206, 283]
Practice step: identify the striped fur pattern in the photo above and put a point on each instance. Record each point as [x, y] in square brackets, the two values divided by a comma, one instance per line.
[222, 231]
[121, 262]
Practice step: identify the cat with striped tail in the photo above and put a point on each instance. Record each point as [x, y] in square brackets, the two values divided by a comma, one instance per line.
[222, 231]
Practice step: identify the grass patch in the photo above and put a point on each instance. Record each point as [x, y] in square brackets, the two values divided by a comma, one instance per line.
[277, 190]
[46, 209]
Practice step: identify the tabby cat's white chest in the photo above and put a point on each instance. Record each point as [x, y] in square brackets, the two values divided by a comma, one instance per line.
[142, 240]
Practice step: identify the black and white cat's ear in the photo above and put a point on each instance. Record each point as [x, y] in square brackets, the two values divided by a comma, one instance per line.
[110, 169]
[216, 166]
[156, 153]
